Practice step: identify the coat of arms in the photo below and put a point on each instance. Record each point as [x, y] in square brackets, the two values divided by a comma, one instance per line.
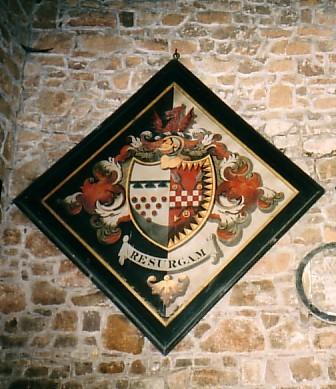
[177, 189]
[168, 203]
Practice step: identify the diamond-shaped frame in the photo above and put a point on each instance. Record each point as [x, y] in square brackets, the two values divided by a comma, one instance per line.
[253, 193]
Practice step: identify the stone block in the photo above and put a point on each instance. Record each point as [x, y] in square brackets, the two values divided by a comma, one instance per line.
[275, 33]
[137, 367]
[45, 293]
[41, 341]
[11, 325]
[148, 383]
[34, 384]
[90, 341]
[173, 19]
[113, 367]
[6, 83]
[305, 369]
[140, 77]
[65, 321]
[6, 369]
[113, 63]
[75, 384]
[155, 45]
[225, 32]
[11, 236]
[40, 246]
[326, 168]
[208, 45]
[49, 60]
[277, 372]
[91, 321]
[33, 323]
[103, 42]
[215, 65]
[288, 17]
[83, 368]
[325, 340]
[8, 147]
[11, 63]
[249, 66]
[270, 319]
[229, 361]
[148, 18]
[252, 372]
[120, 335]
[54, 102]
[186, 344]
[272, 263]
[183, 362]
[323, 144]
[201, 329]
[239, 335]
[60, 372]
[42, 269]
[288, 336]
[254, 293]
[329, 234]
[132, 61]
[281, 65]
[45, 15]
[120, 81]
[27, 6]
[179, 379]
[77, 64]
[315, 31]
[213, 378]
[36, 371]
[325, 103]
[12, 298]
[281, 96]
[310, 69]
[298, 47]
[74, 278]
[278, 127]
[184, 46]
[332, 368]
[13, 341]
[208, 17]
[91, 19]
[193, 30]
[5, 108]
[65, 341]
[58, 41]
[91, 299]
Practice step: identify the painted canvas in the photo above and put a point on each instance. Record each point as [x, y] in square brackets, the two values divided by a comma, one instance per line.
[169, 203]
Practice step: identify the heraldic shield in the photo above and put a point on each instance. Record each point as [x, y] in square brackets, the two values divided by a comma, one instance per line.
[170, 200]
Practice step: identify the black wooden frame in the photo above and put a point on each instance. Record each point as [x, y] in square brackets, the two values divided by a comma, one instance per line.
[166, 337]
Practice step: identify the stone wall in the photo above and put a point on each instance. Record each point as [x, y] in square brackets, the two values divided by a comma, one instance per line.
[14, 31]
[274, 62]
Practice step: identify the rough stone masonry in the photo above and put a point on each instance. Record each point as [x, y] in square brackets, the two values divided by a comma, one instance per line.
[274, 62]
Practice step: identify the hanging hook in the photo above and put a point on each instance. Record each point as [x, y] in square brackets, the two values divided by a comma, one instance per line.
[176, 55]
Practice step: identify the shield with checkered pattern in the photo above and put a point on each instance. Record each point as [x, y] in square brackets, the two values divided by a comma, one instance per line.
[169, 206]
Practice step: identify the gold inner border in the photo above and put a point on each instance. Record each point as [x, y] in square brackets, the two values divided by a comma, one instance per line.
[200, 225]
[164, 321]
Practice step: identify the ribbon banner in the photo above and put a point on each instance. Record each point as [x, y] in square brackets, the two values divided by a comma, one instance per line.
[210, 250]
